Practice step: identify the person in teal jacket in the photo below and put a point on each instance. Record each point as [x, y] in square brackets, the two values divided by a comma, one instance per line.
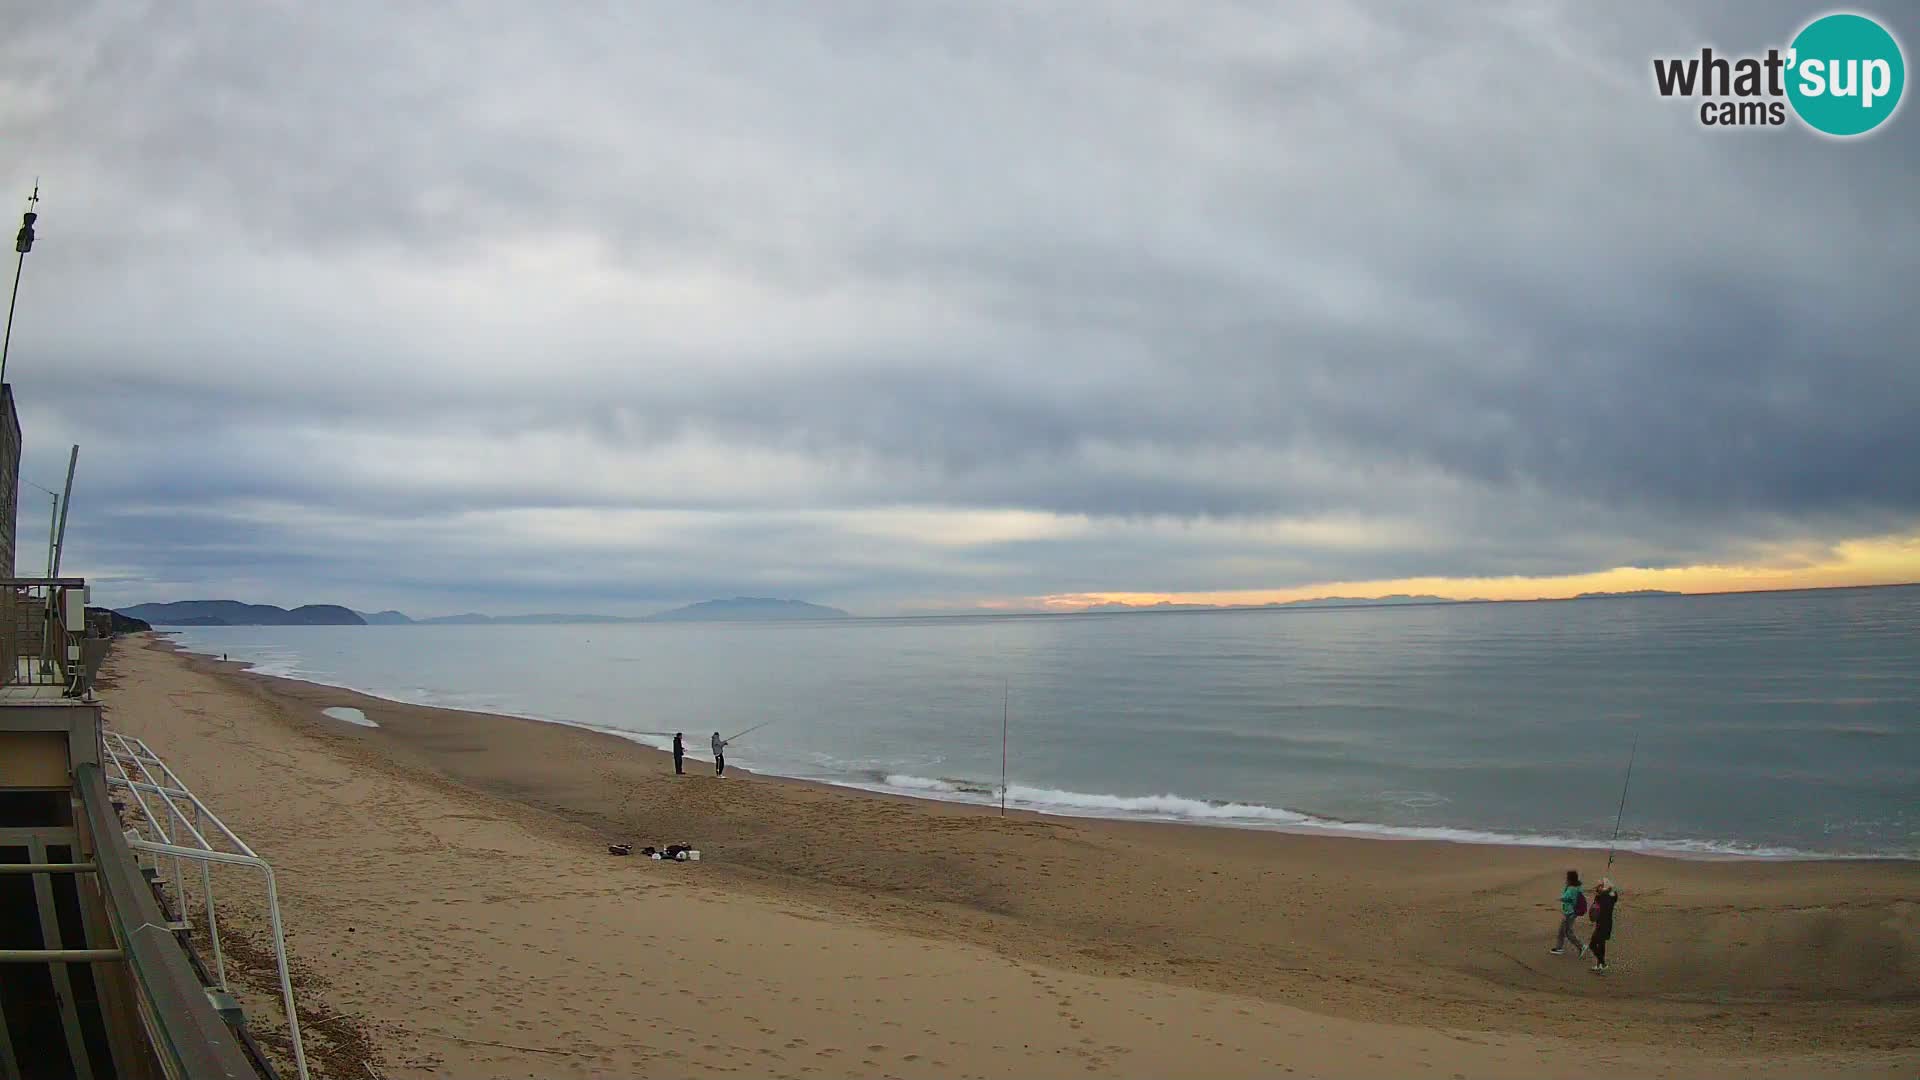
[1572, 905]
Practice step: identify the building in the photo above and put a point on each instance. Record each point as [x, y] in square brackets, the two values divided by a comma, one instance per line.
[97, 976]
[9, 477]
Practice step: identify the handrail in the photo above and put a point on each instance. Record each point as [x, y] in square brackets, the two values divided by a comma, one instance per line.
[121, 749]
[273, 913]
[137, 749]
[187, 1035]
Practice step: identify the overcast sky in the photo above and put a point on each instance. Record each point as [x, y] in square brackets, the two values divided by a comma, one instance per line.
[921, 306]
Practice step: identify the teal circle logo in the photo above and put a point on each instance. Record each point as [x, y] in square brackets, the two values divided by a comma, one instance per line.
[1845, 74]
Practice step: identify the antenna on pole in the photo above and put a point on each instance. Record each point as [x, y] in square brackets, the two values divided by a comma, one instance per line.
[1006, 700]
[22, 243]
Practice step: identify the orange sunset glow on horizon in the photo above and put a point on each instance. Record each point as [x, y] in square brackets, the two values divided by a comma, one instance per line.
[1891, 560]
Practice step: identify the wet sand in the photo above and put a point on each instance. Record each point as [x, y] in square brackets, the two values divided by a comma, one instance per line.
[456, 913]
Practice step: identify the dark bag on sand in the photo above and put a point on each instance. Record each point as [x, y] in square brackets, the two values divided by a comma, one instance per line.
[1580, 905]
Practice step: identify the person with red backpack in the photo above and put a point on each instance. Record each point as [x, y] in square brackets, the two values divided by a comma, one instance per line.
[1573, 904]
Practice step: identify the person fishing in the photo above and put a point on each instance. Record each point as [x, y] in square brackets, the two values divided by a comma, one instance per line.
[679, 754]
[1604, 897]
[719, 755]
[1573, 904]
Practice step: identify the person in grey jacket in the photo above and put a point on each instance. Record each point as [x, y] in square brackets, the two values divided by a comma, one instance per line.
[719, 755]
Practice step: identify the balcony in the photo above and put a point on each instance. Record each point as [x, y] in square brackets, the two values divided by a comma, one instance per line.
[49, 651]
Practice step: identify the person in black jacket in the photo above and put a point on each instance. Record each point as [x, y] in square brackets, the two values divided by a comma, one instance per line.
[679, 754]
[1604, 897]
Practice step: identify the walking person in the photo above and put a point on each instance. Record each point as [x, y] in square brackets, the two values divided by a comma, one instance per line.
[1604, 897]
[1573, 904]
[719, 755]
[679, 754]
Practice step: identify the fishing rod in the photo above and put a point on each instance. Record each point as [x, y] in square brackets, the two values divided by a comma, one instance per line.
[1006, 699]
[749, 731]
[671, 734]
[1622, 814]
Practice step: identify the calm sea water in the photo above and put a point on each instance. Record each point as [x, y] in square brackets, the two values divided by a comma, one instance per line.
[1765, 724]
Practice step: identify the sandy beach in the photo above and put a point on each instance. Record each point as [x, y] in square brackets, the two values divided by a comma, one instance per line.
[454, 912]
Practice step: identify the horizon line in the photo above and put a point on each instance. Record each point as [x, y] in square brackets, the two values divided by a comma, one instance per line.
[1108, 608]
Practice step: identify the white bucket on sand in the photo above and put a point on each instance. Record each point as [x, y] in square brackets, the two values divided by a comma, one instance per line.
[693, 856]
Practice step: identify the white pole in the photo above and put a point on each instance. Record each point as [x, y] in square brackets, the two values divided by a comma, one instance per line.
[49, 648]
[66, 502]
[213, 924]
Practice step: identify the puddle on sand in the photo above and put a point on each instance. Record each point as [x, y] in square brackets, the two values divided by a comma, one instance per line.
[350, 715]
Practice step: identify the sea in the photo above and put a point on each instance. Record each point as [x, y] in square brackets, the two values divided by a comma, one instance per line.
[1775, 725]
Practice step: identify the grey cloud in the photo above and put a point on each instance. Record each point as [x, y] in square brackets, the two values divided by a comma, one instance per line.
[1459, 269]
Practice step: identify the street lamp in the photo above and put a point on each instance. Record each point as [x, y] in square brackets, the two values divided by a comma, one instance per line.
[53, 525]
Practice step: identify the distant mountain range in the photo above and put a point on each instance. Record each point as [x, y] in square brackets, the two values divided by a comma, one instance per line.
[738, 609]
[121, 623]
[747, 609]
[1320, 602]
[475, 619]
[234, 613]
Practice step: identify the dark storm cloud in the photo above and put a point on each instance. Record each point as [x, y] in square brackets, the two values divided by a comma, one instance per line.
[420, 304]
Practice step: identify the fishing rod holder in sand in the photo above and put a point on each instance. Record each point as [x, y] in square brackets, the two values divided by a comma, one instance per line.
[179, 838]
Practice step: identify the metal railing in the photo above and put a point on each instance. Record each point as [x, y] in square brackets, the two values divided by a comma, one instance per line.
[188, 1038]
[43, 626]
[177, 835]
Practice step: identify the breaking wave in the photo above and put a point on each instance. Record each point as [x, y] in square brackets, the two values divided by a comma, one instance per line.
[1181, 808]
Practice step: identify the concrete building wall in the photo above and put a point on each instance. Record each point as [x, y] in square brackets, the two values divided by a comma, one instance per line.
[9, 479]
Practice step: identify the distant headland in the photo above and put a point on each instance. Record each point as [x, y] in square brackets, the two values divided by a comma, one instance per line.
[235, 613]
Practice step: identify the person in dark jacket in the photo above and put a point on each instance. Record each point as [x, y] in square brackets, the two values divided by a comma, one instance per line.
[719, 755]
[679, 754]
[1604, 897]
